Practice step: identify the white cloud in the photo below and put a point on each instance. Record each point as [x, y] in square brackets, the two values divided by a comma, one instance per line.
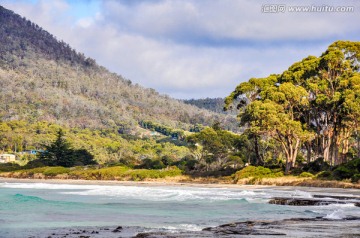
[191, 48]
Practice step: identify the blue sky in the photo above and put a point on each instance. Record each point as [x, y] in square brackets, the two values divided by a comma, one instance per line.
[192, 48]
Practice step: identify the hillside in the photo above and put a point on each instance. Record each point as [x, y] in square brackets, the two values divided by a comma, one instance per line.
[211, 104]
[44, 79]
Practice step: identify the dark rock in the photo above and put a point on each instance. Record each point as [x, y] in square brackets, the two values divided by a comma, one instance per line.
[304, 201]
[157, 235]
[337, 197]
[118, 229]
[245, 228]
[357, 204]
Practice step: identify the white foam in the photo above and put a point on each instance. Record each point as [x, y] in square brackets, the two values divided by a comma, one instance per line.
[144, 193]
[185, 227]
[336, 215]
[46, 186]
[303, 194]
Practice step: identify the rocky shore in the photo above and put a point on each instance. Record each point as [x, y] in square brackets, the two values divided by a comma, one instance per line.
[316, 200]
[296, 227]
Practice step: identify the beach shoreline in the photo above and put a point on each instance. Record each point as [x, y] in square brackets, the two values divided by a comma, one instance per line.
[353, 191]
[127, 183]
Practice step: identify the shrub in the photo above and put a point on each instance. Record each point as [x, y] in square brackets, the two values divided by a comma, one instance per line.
[7, 167]
[355, 178]
[343, 172]
[316, 166]
[256, 172]
[53, 171]
[349, 171]
[306, 175]
[324, 175]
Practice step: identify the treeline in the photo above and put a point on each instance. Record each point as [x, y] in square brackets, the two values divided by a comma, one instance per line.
[311, 110]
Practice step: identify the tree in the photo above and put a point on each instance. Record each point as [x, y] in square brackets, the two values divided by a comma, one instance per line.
[215, 145]
[332, 85]
[60, 153]
[315, 102]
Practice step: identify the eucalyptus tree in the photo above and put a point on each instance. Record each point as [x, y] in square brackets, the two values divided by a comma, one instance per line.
[315, 102]
[331, 81]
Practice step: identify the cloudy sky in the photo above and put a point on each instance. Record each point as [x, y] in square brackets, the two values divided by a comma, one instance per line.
[192, 48]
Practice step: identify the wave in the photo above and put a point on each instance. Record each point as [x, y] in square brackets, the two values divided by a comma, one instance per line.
[162, 193]
[20, 198]
[336, 215]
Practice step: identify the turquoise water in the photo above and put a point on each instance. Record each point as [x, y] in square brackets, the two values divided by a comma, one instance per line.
[27, 206]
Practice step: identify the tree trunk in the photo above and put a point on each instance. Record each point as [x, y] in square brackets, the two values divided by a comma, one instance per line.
[358, 144]
[259, 160]
[308, 151]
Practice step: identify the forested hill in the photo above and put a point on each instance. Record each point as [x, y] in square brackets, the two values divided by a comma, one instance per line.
[212, 104]
[42, 78]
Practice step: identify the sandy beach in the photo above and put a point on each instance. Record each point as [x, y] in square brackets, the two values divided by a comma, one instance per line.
[353, 191]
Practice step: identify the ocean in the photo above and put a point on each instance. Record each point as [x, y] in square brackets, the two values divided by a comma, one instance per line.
[37, 208]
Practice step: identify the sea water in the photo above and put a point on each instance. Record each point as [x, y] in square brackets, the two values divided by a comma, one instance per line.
[25, 207]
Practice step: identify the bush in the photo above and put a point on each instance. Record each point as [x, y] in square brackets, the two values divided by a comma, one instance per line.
[355, 178]
[306, 175]
[142, 174]
[124, 173]
[348, 171]
[316, 166]
[7, 167]
[324, 175]
[256, 172]
[53, 171]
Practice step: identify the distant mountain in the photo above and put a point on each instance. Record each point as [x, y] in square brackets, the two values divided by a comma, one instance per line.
[42, 78]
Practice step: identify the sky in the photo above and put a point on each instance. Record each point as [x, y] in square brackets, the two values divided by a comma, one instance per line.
[193, 48]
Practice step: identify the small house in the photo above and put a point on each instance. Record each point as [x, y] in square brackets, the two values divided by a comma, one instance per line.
[6, 158]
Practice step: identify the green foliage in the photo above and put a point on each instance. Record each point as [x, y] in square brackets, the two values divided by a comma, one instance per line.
[152, 164]
[314, 103]
[188, 163]
[355, 178]
[53, 171]
[123, 173]
[215, 147]
[6, 167]
[306, 175]
[256, 172]
[142, 174]
[316, 166]
[107, 145]
[324, 175]
[350, 170]
[60, 153]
